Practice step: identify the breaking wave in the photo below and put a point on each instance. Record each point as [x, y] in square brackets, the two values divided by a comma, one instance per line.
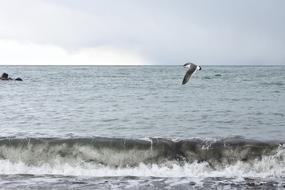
[231, 157]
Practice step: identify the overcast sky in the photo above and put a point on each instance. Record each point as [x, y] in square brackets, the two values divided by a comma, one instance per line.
[142, 31]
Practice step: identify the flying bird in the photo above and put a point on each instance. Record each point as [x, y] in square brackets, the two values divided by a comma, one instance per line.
[192, 69]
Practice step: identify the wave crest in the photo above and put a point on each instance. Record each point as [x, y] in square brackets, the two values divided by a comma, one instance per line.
[119, 152]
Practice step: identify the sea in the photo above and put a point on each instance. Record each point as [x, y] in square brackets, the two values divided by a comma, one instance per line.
[138, 127]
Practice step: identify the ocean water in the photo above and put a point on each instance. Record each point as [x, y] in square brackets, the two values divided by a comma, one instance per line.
[137, 127]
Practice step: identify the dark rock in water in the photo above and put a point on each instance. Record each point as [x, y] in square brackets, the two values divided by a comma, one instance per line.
[192, 183]
[251, 184]
[218, 75]
[19, 79]
[5, 76]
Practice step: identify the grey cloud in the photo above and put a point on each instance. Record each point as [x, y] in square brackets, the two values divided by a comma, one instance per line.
[165, 31]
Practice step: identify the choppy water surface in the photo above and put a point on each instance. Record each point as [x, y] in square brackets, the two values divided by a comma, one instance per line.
[137, 127]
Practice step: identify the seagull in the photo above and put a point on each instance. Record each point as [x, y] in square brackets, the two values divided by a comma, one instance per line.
[192, 69]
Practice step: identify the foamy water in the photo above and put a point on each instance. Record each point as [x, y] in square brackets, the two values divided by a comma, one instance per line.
[95, 127]
[272, 167]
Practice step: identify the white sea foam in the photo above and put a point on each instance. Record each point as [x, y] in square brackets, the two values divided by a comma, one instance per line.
[268, 167]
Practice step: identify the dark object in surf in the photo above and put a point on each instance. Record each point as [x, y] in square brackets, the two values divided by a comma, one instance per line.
[5, 76]
[19, 79]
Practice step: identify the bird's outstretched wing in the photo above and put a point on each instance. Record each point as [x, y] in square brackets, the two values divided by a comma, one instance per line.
[186, 64]
[189, 73]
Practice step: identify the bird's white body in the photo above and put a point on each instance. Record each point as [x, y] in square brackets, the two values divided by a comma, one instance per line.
[197, 68]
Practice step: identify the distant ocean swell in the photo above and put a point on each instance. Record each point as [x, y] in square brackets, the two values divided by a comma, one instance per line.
[231, 157]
